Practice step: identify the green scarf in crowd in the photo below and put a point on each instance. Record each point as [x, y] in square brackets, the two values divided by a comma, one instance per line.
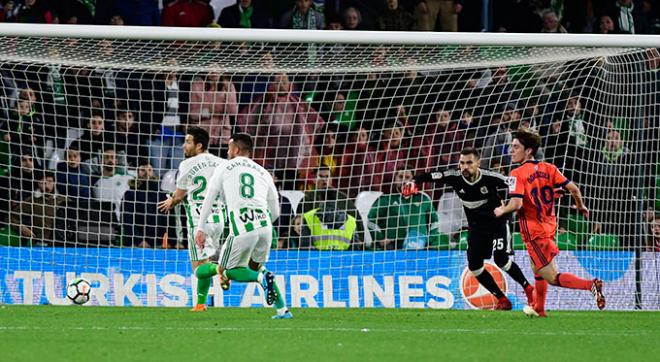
[299, 22]
[612, 156]
[246, 17]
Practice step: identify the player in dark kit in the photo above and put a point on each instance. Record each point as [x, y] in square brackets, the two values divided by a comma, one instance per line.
[481, 191]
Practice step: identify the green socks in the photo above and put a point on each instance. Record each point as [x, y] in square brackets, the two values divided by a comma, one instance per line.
[242, 275]
[207, 270]
[279, 302]
[204, 274]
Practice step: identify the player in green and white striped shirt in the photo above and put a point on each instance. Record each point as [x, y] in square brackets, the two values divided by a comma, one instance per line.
[192, 180]
[252, 202]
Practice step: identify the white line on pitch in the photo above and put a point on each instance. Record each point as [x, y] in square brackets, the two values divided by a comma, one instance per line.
[333, 329]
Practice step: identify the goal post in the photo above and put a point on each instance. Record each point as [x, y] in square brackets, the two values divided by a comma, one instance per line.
[93, 119]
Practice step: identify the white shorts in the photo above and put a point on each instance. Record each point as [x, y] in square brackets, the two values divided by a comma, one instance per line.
[211, 245]
[239, 250]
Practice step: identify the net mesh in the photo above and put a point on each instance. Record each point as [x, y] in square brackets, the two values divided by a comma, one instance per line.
[339, 126]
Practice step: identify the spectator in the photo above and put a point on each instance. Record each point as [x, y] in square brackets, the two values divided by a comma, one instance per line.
[615, 188]
[214, 106]
[244, 14]
[356, 168]
[444, 138]
[578, 137]
[25, 129]
[9, 11]
[284, 127]
[136, 12]
[654, 230]
[395, 18]
[606, 25]
[72, 180]
[302, 16]
[325, 152]
[499, 137]
[93, 139]
[118, 20]
[144, 226]
[77, 12]
[394, 149]
[18, 185]
[443, 14]
[111, 186]
[551, 23]
[128, 140]
[165, 110]
[330, 219]
[295, 234]
[340, 111]
[35, 11]
[397, 222]
[35, 217]
[187, 13]
[627, 17]
[283, 223]
[352, 19]
[333, 22]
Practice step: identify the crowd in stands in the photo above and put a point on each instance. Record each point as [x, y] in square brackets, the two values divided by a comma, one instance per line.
[546, 16]
[85, 150]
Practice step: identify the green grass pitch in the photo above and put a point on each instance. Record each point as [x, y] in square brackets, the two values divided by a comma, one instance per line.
[72, 333]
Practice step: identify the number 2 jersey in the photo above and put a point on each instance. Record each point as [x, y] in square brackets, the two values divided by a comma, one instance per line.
[535, 182]
[194, 176]
[248, 192]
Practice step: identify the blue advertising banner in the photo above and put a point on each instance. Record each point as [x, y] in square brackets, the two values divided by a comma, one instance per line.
[392, 279]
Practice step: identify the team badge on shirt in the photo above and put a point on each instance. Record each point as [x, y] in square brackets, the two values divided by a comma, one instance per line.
[511, 182]
[484, 190]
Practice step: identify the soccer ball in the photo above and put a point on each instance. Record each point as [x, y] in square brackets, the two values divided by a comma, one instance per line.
[78, 291]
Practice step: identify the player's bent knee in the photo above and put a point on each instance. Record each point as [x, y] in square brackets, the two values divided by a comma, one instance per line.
[503, 262]
[477, 272]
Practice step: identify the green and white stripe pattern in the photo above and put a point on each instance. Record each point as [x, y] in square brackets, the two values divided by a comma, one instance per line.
[247, 219]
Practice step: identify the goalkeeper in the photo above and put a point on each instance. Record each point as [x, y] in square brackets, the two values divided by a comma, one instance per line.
[481, 192]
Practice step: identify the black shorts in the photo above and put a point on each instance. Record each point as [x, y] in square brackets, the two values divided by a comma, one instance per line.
[494, 240]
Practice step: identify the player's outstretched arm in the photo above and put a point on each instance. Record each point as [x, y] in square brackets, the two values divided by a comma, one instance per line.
[412, 188]
[167, 204]
[577, 196]
[436, 177]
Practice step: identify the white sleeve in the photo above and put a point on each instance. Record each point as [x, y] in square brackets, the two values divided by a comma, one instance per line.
[273, 201]
[182, 179]
[211, 194]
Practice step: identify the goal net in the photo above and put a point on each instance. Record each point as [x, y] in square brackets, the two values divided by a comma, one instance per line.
[93, 121]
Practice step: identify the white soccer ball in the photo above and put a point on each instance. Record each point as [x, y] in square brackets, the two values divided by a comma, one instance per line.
[78, 291]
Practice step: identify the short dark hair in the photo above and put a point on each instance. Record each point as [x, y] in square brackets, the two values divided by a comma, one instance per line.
[529, 139]
[41, 175]
[199, 135]
[243, 141]
[470, 151]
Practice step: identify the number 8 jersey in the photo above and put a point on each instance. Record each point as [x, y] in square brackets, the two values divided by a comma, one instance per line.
[535, 182]
[249, 194]
[194, 176]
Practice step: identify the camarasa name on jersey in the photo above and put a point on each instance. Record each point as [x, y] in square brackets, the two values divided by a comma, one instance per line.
[245, 162]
